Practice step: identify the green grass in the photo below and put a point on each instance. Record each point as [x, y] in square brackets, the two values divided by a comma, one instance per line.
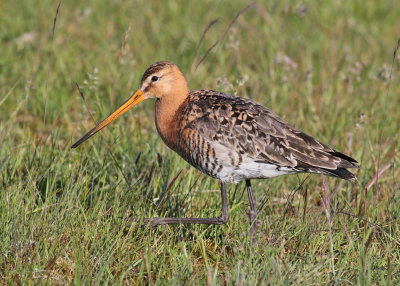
[324, 66]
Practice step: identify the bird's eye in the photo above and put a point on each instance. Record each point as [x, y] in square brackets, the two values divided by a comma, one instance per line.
[154, 78]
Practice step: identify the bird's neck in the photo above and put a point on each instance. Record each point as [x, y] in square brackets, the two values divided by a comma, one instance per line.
[167, 114]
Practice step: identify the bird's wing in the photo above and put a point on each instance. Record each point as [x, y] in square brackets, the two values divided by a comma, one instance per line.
[257, 133]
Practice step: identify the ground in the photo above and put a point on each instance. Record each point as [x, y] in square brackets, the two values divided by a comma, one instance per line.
[327, 67]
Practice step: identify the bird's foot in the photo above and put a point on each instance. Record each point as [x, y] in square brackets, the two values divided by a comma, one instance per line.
[156, 221]
[142, 222]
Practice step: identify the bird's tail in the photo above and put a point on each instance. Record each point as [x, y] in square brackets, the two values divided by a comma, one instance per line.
[339, 172]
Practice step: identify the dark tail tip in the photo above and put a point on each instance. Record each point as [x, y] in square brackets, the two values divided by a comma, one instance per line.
[341, 173]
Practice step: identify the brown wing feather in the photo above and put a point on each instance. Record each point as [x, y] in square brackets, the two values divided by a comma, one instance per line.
[256, 132]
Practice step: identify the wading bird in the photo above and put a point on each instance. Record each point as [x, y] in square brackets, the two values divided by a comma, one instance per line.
[227, 137]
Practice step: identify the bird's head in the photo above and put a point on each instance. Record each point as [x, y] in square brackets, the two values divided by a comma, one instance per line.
[162, 80]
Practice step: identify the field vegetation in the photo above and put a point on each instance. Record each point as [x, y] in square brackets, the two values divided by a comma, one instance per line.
[327, 67]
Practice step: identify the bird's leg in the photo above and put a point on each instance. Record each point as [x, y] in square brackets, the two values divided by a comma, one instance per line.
[223, 218]
[253, 209]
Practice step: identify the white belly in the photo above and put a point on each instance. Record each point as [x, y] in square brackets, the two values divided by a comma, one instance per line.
[252, 170]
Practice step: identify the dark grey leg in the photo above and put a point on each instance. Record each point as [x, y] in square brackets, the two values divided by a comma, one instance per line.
[253, 209]
[218, 220]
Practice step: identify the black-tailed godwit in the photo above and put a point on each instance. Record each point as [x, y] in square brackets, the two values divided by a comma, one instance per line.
[227, 137]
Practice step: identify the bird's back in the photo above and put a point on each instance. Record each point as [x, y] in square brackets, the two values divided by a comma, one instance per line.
[232, 138]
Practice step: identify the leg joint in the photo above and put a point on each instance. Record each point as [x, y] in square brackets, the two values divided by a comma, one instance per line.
[223, 218]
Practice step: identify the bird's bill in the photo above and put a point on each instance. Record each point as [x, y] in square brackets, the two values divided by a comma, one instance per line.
[137, 97]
